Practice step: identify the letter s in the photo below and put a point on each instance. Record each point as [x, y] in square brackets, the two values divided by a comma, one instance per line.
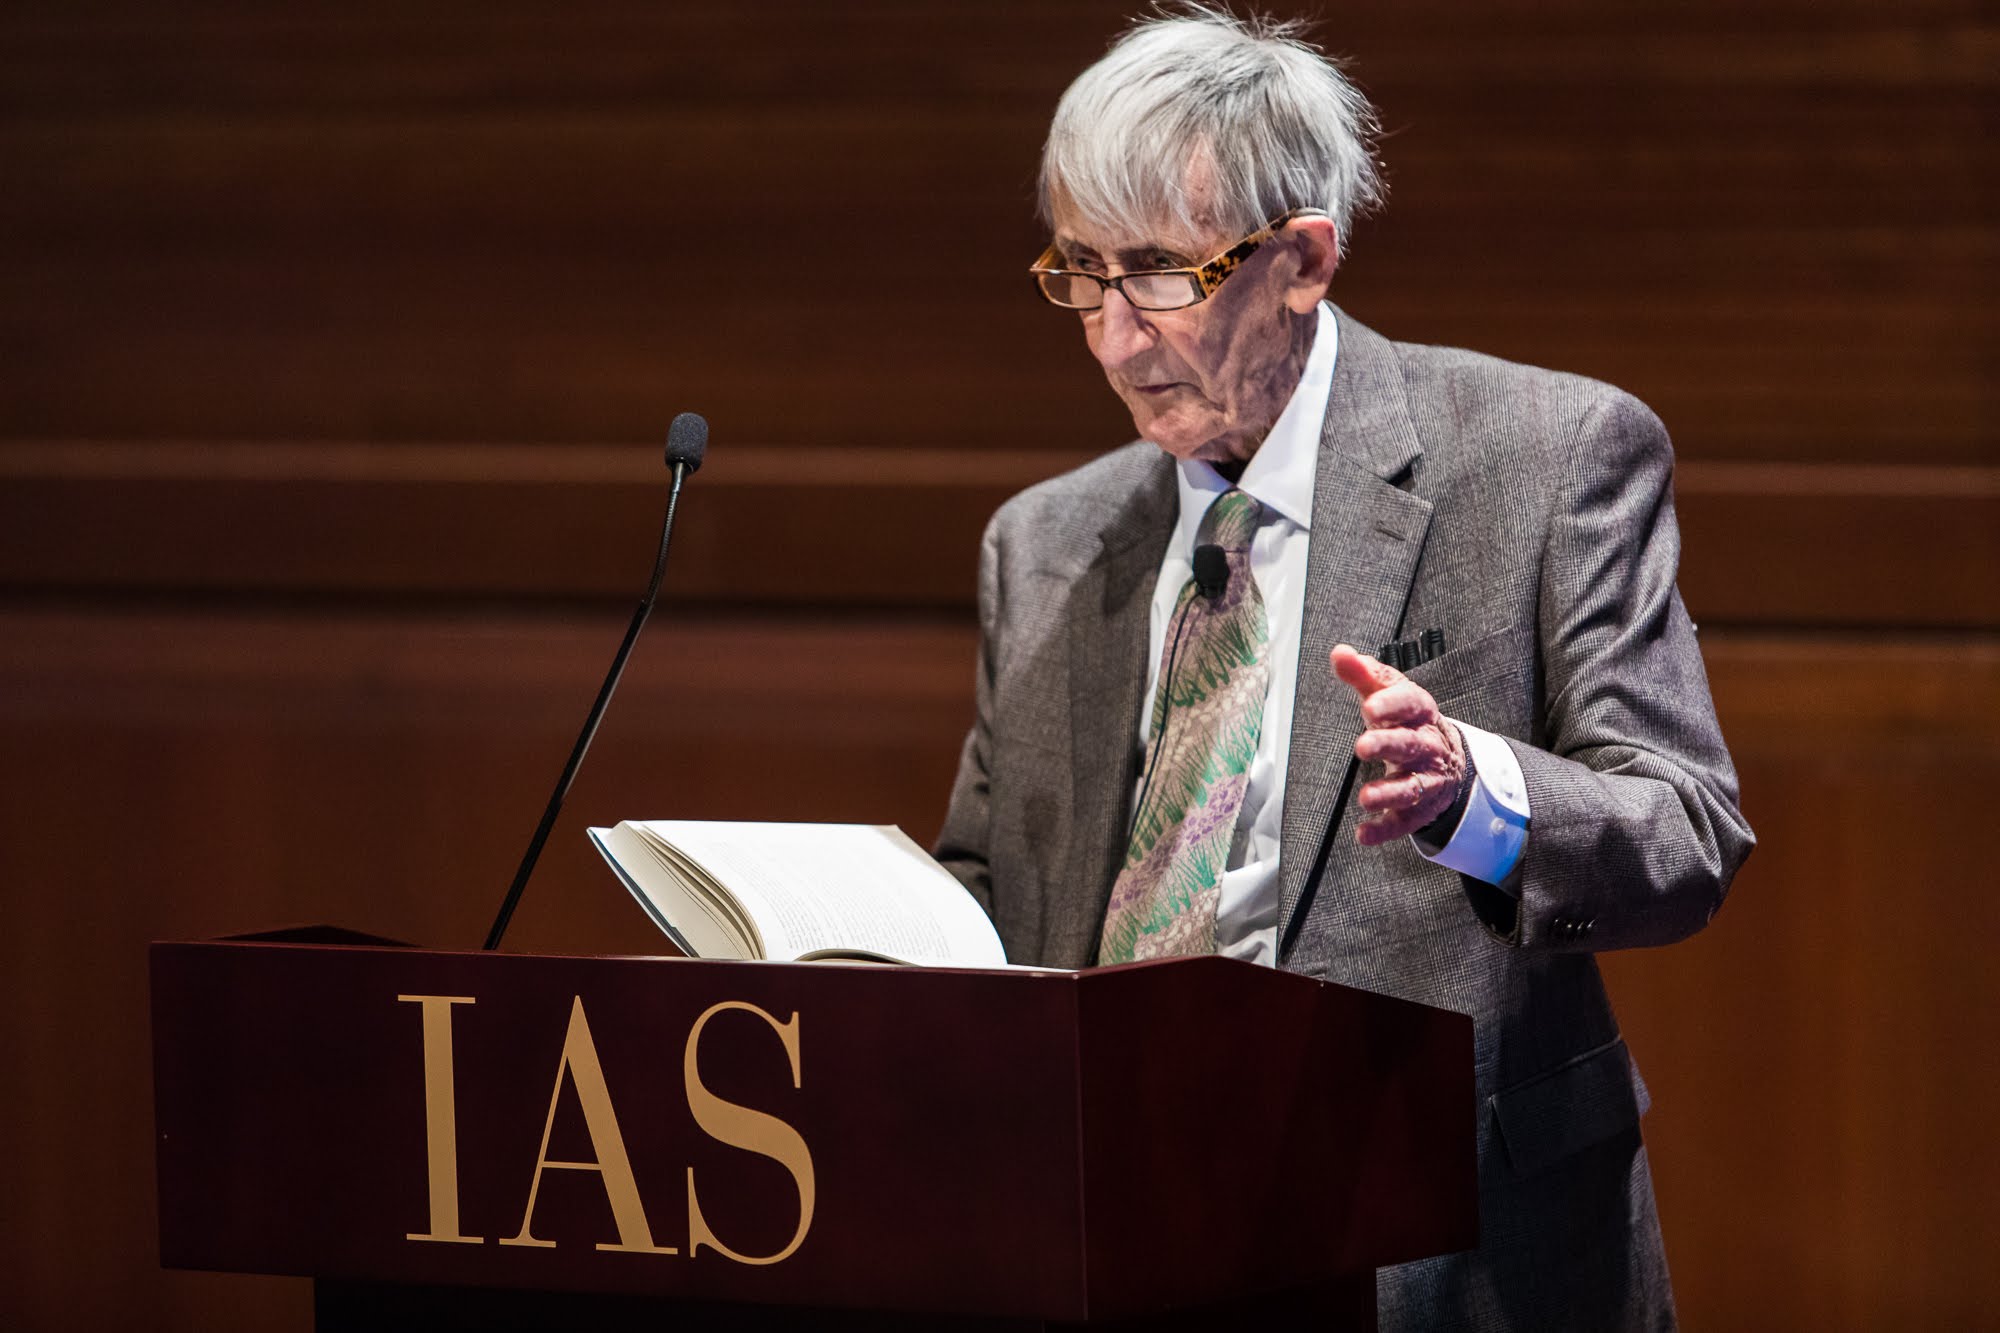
[753, 1131]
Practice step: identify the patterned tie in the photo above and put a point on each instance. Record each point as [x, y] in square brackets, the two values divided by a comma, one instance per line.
[1207, 709]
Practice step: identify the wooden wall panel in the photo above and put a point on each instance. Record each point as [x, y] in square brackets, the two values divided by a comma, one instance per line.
[332, 222]
[759, 527]
[1819, 1055]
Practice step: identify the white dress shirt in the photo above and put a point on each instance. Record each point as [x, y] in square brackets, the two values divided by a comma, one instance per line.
[1493, 833]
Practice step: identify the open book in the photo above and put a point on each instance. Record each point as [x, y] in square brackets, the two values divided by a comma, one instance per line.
[799, 891]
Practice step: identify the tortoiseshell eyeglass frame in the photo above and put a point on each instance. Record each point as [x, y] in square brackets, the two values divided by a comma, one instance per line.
[1202, 280]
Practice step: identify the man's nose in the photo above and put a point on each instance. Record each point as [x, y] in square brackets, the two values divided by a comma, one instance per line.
[1123, 331]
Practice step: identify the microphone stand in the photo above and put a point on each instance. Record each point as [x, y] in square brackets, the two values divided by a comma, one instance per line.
[499, 929]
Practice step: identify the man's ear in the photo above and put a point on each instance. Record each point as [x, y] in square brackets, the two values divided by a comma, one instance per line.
[1316, 242]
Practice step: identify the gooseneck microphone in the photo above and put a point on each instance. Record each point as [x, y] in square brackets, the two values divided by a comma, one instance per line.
[687, 441]
[1211, 571]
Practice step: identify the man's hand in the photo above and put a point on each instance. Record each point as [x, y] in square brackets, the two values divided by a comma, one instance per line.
[1423, 752]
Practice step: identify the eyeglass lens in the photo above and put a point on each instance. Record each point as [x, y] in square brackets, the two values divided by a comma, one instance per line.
[1148, 291]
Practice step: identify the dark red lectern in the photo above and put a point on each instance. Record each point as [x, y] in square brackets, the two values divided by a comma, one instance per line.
[501, 1140]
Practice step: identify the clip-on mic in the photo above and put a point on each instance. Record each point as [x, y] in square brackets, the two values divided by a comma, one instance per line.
[1211, 571]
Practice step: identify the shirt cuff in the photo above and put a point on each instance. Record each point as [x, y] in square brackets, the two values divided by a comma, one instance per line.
[1492, 834]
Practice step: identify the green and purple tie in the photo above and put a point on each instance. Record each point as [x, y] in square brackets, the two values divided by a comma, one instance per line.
[1207, 710]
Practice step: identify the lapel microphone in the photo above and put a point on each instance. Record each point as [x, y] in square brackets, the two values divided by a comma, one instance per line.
[1211, 571]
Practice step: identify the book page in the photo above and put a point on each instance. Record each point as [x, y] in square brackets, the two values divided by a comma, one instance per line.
[697, 924]
[840, 886]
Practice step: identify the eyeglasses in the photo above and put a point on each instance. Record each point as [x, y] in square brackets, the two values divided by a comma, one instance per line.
[1154, 289]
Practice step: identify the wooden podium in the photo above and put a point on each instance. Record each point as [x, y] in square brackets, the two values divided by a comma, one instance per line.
[509, 1141]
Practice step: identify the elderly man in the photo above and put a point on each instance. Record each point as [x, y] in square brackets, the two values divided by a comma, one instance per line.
[1174, 701]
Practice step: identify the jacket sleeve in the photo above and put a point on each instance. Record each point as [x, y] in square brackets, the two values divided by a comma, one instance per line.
[962, 844]
[1635, 831]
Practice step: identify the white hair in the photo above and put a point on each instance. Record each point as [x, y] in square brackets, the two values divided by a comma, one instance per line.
[1208, 122]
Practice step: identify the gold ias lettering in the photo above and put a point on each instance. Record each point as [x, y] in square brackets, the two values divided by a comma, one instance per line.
[578, 1065]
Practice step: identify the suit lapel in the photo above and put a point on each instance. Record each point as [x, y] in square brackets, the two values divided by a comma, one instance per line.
[1108, 624]
[1367, 536]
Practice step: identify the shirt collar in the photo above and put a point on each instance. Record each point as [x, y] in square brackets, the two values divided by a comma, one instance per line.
[1280, 474]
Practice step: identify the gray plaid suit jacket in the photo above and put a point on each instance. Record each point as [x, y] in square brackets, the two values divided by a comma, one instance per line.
[1528, 514]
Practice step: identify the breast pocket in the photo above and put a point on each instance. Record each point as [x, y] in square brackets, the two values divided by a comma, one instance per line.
[1488, 683]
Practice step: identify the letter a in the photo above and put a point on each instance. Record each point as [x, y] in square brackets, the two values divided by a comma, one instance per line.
[579, 1062]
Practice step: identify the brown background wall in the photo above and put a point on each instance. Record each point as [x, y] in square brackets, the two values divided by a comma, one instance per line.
[336, 343]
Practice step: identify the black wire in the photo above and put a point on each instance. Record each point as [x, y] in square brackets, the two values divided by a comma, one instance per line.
[1166, 719]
